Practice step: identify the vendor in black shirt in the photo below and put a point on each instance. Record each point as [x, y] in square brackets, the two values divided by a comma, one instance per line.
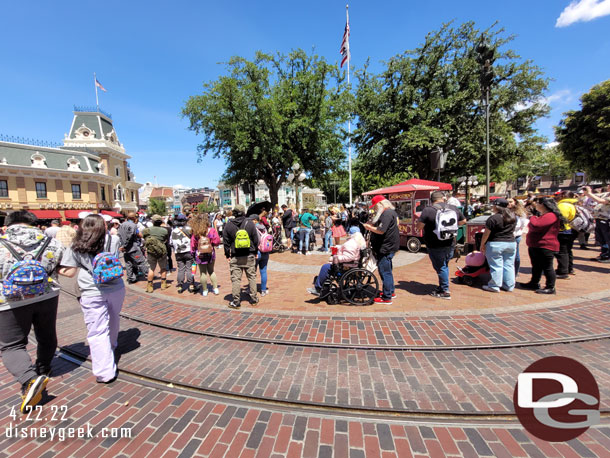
[385, 241]
[499, 246]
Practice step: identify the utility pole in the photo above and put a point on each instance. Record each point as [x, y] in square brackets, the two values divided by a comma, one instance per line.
[486, 59]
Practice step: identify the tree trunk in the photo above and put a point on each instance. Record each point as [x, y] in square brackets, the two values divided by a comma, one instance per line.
[273, 191]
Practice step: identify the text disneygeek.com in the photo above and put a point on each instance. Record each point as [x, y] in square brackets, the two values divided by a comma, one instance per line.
[61, 434]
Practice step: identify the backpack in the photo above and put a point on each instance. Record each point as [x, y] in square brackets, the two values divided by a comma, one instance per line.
[155, 247]
[446, 223]
[27, 277]
[106, 267]
[204, 245]
[242, 239]
[265, 242]
[583, 221]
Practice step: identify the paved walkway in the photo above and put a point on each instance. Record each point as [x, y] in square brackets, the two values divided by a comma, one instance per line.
[291, 378]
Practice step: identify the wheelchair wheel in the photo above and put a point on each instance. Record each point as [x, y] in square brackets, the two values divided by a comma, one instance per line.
[330, 293]
[359, 287]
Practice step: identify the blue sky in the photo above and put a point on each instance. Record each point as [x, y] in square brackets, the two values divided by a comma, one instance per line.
[151, 56]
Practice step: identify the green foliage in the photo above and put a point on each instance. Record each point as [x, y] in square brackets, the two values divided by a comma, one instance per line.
[431, 96]
[270, 112]
[584, 135]
[204, 207]
[534, 160]
[156, 207]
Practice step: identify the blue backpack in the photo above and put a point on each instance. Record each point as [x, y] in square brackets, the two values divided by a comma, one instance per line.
[106, 267]
[27, 277]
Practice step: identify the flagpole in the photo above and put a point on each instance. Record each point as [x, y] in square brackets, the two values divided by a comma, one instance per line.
[97, 102]
[349, 121]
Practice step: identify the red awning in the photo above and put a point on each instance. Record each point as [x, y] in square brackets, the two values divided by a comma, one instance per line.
[113, 214]
[46, 214]
[413, 184]
[73, 214]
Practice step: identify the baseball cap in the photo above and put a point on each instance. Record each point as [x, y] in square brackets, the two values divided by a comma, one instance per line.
[376, 200]
[239, 208]
[156, 218]
[500, 203]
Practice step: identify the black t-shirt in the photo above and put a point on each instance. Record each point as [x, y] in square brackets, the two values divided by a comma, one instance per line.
[287, 219]
[389, 241]
[498, 231]
[428, 217]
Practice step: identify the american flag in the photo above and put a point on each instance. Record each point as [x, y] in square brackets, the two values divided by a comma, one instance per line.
[98, 84]
[345, 45]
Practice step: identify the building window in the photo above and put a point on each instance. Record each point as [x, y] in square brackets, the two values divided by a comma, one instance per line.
[117, 171]
[76, 191]
[114, 193]
[133, 196]
[3, 188]
[579, 177]
[41, 190]
[103, 192]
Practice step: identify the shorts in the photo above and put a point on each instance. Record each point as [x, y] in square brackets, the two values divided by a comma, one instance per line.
[288, 232]
[154, 261]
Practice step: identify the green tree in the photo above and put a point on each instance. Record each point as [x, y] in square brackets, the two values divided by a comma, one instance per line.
[431, 96]
[270, 112]
[584, 135]
[534, 160]
[205, 207]
[156, 207]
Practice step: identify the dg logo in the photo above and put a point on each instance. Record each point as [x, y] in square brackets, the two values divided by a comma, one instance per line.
[556, 399]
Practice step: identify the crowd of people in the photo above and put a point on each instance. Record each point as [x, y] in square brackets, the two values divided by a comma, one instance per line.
[32, 257]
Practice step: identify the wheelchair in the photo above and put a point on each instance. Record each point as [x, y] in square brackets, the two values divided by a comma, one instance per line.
[350, 282]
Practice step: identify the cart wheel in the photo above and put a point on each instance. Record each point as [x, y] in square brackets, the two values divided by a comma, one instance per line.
[468, 280]
[413, 244]
[359, 287]
[281, 249]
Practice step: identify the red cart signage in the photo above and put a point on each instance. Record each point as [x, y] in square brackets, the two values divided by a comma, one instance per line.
[410, 198]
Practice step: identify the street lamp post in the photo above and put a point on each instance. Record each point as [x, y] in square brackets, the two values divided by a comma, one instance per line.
[297, 178]
[485, 59]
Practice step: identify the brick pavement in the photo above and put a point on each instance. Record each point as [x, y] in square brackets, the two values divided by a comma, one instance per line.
[579, 321]
[169, 422]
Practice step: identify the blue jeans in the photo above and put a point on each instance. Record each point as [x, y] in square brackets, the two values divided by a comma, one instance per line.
[440, 258]
[384, 263]
[262, 260]
[517, 256]
[501, 257]
[328, 240]
[304, 237]
[322, 276]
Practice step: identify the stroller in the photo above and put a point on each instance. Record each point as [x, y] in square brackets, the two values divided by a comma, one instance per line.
[296, 238]
[278, 246]
[476, 265]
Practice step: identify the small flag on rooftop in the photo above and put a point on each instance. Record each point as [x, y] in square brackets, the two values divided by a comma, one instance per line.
[345, 44]
[98, 84]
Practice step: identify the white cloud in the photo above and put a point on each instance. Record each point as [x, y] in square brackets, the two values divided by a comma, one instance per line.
[551, 145]
[583, 11]
[560, 97]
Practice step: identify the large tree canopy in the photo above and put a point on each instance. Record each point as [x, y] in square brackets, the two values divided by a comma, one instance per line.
[270, 112]
[431, 96]
[584, 135]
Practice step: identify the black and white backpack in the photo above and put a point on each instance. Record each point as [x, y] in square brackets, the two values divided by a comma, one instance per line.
[583, 221]
[446, 223]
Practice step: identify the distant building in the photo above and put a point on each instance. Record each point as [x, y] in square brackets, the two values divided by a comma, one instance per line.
[89, 172]
[196, 196]
[165, 194]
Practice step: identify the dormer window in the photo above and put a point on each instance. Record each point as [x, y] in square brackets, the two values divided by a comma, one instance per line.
[84, 132]
[117, 171]
[74, 164]
[38, 161]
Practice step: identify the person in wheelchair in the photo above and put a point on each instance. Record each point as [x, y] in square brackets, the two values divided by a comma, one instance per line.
[347, 257]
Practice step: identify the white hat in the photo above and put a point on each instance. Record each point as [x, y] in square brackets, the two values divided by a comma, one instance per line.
[107, 218]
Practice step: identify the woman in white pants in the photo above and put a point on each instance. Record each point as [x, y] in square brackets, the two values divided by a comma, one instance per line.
[101, 303]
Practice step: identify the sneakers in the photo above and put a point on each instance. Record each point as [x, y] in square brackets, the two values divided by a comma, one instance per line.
[563, 276]
[205, 291]
[393, 295]
[108, 382]
[180, 289]
[254, 303]
[149, 287]
[546, 291]
[441, 294]
[381, 300]
[313, 291]
[604, 260]
[31, 394]
[490, 289]
[234, 305]
[264, 293]
[164, 284]
[215, 291]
